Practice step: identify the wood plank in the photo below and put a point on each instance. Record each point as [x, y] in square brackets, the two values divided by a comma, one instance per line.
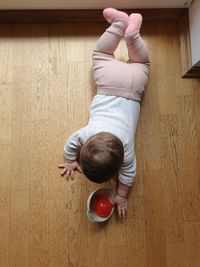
[22, 48]
[117, 256]
[173, 209]
[19, 229]
[197, 119]
[77, 224]
[21, 94]
[75, 44]
[151, 163]
[39, 74]
[39, 201]
[6, 60]
[154, 219]
[98, 247]
[105, 240]
[188, 143]
[5, 161]
[76, 94]
[167, 44]
[192, 243]
[4, 230]
[150, 124]
[21, 111]
[58, 228]
[136, 242]
[20, 168]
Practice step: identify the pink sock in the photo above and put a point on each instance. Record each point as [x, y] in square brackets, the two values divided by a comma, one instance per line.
[134, 25]
[111, 14]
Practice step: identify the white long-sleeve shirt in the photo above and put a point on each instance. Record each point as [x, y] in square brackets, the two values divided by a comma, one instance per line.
[118, 116]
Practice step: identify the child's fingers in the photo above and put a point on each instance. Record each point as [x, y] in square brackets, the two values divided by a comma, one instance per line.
[63, 171]
[119, 211]
[79, 169]
[68, 174]
[72, 174]
[61, 165]
[124, 212]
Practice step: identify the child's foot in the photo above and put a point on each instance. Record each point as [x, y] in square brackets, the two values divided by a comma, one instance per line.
[134, 24]
[111, 14]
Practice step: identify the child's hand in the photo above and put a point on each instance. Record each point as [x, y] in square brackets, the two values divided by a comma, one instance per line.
[122, 205]
[69, 168]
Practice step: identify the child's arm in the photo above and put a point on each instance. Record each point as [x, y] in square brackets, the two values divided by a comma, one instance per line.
[71, 151]
[126, 175]
[73, 145]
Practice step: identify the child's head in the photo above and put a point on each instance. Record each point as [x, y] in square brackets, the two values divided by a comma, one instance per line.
[101, 157]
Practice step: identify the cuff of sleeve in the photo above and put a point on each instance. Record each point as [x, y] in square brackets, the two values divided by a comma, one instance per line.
[70, 157]
[126, 182]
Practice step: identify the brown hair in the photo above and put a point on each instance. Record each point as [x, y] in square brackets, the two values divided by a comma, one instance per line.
[101, 157]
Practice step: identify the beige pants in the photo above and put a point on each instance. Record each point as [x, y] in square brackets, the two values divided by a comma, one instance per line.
[114, 77]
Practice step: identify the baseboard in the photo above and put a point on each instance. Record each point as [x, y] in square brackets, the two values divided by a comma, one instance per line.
[83, 15]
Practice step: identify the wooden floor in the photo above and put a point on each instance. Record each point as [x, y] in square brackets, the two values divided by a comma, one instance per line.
[46, 87]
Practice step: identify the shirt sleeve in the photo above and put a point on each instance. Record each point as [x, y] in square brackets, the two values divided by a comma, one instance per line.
[73, 145]
[128, 169]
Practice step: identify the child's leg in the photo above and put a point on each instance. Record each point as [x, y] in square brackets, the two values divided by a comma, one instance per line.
[109, 41]
[137, 50]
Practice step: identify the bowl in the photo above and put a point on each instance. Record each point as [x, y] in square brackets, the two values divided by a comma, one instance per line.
[105, 193]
